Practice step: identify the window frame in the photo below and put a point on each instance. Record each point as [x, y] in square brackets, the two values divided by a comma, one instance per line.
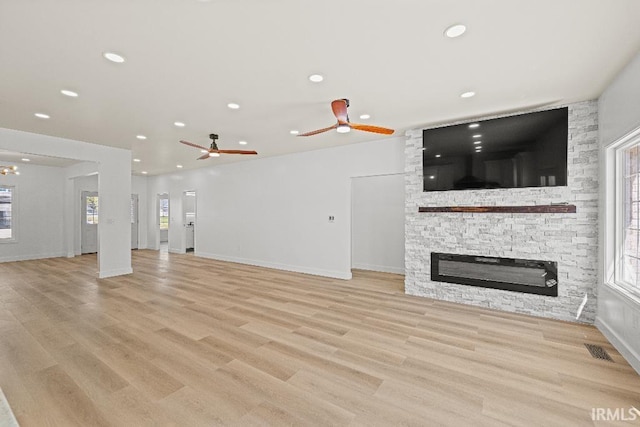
[14, 217]
[614, 216]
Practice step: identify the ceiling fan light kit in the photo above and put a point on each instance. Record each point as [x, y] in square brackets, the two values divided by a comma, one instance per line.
[339, 107]
[9, 170]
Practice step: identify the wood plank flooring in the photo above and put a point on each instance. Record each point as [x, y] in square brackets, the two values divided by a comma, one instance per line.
[187, 341]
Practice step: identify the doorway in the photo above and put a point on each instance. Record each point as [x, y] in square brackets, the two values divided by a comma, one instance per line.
[89, 217]
[377, 223]
[163, 221]
[189, 220]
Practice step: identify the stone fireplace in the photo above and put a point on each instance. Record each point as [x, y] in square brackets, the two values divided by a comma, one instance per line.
[567, 237]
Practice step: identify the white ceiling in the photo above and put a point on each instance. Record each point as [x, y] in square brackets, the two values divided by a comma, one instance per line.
[187, 59]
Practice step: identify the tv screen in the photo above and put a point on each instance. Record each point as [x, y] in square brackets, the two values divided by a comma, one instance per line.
[526, 150]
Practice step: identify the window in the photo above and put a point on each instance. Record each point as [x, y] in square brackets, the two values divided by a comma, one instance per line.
[92, 209]
[164, 214]
[627, 216]
[7, 231]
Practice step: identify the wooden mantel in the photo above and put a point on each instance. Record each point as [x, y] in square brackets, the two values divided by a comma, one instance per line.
[501, 209]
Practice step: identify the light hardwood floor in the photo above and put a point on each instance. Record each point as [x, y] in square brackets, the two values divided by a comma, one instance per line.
[188, 341]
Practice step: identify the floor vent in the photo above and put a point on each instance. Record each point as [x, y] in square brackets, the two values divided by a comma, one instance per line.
[598, 352]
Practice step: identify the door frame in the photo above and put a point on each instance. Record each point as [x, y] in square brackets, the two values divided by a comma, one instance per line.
[136, 206]
[157, 218]
[185, 194]
[352, 216]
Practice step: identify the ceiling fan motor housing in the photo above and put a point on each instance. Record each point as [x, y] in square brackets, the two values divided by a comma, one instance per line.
[213, 137]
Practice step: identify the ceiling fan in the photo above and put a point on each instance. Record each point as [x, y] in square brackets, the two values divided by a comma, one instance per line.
[339, 107]
[213, 150]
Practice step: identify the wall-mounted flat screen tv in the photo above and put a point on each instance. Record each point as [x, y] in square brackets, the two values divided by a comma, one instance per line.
[526, 150]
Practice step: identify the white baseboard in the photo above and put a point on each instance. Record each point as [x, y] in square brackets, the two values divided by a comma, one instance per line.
[103, 274]
[381, 268]
[619, 343]
[7, 419]
[346, 275]
[32, 257]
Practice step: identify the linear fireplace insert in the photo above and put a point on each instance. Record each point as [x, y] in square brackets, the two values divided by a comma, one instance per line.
[511, 274]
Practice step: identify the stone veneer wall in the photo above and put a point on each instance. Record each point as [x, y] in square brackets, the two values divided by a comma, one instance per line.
[569, 239]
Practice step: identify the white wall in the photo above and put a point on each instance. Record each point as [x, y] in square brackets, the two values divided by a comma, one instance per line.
[114, 182]
[378, 223]
[618, 314]
[274, 211]
[37, 213]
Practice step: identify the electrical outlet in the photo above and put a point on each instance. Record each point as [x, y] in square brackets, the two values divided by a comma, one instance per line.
[332, 218]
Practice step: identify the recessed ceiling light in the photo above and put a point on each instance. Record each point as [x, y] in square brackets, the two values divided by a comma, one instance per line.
[42, 115]
[467, 94]
[113, 57]
[477, 142]
[179, 124]
[16, 173]
[214, 154]
[343, 129]
[136, 160]
[294, 132]
[455, 31]
[365, 116]
[179, 166]
[474, 125]
[144, 172]
[70, 93]
[477, 135]
[141, 137]
[242, 142]
[432, 177]
[316, 78]
[438, 155]
[233, 105]
[26, 160]
[424, 148]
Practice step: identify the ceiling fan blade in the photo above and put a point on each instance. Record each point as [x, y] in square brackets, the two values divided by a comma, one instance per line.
[315, 132]
[236, 152]
[194, 145]
[374, 129]
[204, 156]
[339, 107]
